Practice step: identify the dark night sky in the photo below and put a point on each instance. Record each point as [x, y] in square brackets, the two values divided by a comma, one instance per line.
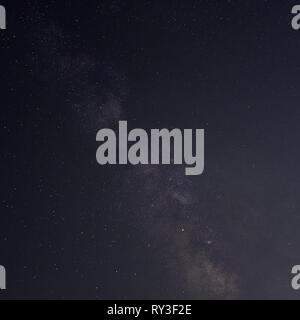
[72, 229]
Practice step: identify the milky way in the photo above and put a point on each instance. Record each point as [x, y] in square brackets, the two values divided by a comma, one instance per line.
[79, 230]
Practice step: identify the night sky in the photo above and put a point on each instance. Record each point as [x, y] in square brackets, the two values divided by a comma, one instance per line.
[71, 229]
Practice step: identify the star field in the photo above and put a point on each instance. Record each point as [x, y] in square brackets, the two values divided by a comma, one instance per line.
[72, 229]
